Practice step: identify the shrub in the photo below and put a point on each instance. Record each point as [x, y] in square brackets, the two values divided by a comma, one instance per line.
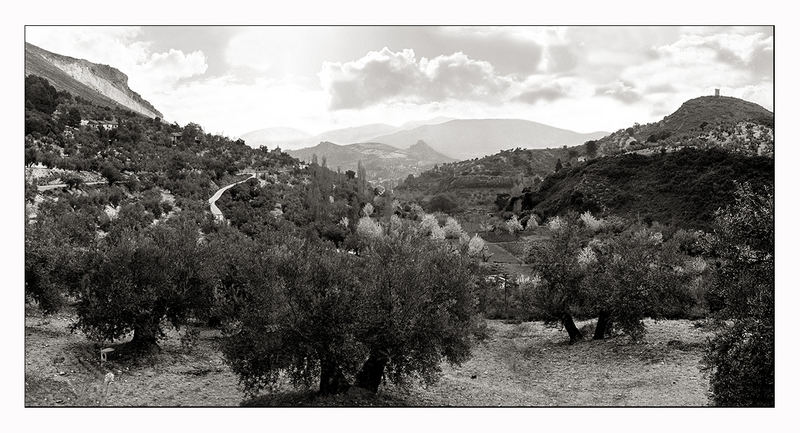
[591, 223]
[476, 247]
[111, 173]
[437, 233]
[367, 210]
[72, 181]
[395, 224]
[416, 211]
[442, 203]
[428, 224]
[369, 229]
[531, 224]
[513, 225]
[53, 266]
[555, 223]
[452, 229]
[743, 360]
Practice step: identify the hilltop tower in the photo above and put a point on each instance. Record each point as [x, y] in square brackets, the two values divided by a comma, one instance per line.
[716, 92]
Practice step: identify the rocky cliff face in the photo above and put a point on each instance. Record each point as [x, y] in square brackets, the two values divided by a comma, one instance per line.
[101, 84]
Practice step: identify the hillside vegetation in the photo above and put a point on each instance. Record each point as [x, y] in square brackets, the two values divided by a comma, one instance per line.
[704, 122]
[385, 164]
[475, 182]
[681, 188]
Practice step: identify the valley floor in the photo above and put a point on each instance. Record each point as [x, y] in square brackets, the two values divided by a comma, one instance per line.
[524, 364]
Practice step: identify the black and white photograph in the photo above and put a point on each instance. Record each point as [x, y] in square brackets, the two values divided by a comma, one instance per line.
[396, 215]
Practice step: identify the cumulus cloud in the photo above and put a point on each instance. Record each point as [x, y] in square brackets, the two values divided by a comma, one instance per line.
[165, 69]
[548, 89]
[387, 76]
[543, 94]
[620, 90]
[737, 61]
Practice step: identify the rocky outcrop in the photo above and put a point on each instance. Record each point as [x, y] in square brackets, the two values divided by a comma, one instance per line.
[101, 84]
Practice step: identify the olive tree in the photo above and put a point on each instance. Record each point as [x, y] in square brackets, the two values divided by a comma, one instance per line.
[140, 278]
[302, 321]
[395, 310]
[633, 275]
[419, 307]
[741, 356]
[56, 250]
[559, 294]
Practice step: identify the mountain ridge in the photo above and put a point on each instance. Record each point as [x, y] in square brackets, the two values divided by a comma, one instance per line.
[98, 83]
[469, 138]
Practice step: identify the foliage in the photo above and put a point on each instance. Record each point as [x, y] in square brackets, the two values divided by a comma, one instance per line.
[395, 310]
[743, 360]
[368, 228]
[513, 225]
[633, 275]
[367, 210]
[301, 321]
[428, 224]
[591, 222]
[53, 263]
[476, 247]
[40, 94]
[532, 223]
[111, 173]
[681, 188]
[559, 296]
[442, 203]
[139, 278]
[741, 356]
[419, 307]
[452, 229]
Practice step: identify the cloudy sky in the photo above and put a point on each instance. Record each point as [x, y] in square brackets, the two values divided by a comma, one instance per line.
[236, 79]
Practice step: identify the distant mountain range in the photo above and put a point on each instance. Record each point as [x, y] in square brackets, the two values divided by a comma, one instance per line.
[456, 138]
[293, 139]
[382, 162]
[471, 138]
[100, 84]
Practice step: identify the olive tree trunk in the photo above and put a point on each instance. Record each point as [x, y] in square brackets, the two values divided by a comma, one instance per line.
[331, 378]
[371, 373]
[603, 327]
[575, 334]
[145, 337]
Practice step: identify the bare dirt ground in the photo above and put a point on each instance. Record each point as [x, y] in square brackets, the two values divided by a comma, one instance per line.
[524, 364]
[529, 364]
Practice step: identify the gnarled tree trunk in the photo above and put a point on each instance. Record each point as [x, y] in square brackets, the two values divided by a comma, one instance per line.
[371, 373]
[603, 327]
[575, 334]
[331, 378]
[145, 337]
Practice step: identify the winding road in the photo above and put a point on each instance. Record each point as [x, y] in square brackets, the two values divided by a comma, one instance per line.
[213, 200]
[64, 185]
